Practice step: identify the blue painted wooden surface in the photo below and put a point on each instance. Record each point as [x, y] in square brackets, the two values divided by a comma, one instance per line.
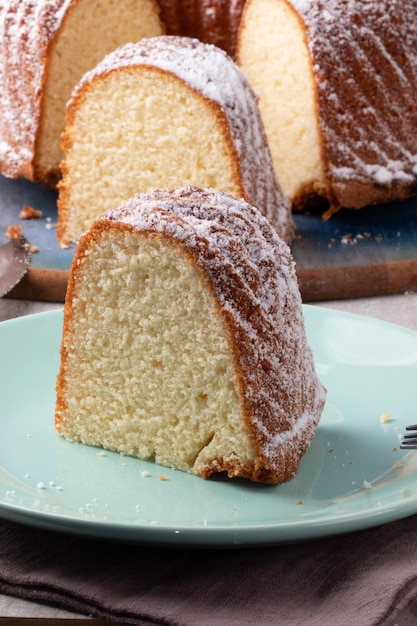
[349, 239]
[365, 237]
[39, 232]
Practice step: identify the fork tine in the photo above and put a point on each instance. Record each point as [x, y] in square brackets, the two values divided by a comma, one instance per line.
[408, 444]
[411, 427]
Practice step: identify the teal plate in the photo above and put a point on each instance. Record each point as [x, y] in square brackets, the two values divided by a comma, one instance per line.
[354, 476]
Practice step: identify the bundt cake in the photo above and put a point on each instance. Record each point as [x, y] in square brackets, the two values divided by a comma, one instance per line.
[337, 83]
[45, 48]
[164, 112]
[184, 340]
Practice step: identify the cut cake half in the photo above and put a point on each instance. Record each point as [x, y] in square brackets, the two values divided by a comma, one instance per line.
[336, 81]
[164, 112]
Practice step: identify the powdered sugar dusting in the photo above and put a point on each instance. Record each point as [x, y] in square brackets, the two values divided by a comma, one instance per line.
[252, 275]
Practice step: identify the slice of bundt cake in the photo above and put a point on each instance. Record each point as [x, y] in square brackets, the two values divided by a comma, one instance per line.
[337, 82]
[184, 339]
[45, 48]
[164, 112]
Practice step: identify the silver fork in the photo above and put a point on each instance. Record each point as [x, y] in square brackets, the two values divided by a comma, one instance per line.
[410, 440]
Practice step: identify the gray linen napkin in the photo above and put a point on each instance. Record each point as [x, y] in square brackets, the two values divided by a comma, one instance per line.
[366, 578]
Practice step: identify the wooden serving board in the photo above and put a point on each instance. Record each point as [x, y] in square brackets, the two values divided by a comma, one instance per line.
[354, 254]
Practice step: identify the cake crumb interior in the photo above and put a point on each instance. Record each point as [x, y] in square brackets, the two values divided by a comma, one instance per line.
[137, 130]
[272, 36]
[153, 376]
[86, 28]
